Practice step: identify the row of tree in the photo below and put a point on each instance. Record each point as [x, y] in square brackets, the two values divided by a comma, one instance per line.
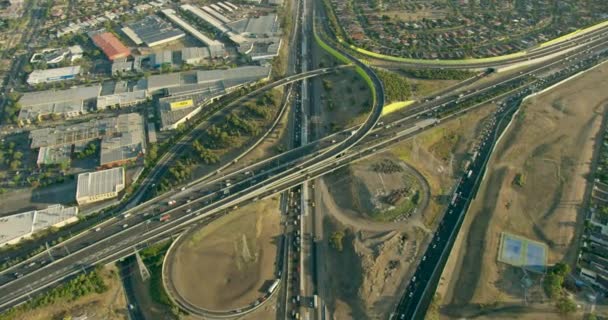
[83, 285]
[396, 87]
[439, 74]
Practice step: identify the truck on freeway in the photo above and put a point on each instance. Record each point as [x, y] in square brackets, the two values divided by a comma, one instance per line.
[164, 217]
[273, 286]
[171, 202]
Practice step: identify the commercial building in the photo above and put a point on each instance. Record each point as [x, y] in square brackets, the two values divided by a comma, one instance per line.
[100, 185]
[110, 45]
[16, 227]
[65, 103]
[52, 75]
[55, 56]
[216, 48]
[152, 31]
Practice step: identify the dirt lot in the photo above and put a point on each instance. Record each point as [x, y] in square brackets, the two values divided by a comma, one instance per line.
[550, 143]
[364, 278]
[381, 188]
[233, 257]
[110, 305]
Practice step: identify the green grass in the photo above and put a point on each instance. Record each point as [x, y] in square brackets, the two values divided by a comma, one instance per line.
[153, 259]
[389, 215]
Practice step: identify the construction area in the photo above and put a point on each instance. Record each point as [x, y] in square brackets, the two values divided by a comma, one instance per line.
[233, 257]
[534, 189]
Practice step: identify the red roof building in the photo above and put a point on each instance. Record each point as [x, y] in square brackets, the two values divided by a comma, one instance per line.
[110, 45]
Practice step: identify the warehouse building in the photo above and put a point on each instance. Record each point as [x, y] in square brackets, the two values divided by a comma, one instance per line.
[175, 111]
[216, 48]
[162, 58]
[110, 45]
[119, 150]
[193, 81]
[66, 103]
[17, 227]
[192, 90]
[239, 40]
[53, 75]
[84, 132]
[194, 55]
[100, 185]
[122, 95]
[152, 31]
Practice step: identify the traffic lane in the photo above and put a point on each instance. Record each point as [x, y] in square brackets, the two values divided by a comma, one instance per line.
[301, 179]
[439, 242]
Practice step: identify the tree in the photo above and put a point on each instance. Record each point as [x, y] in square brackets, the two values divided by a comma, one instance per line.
[15, 164]
[565, 305]
[336, 240]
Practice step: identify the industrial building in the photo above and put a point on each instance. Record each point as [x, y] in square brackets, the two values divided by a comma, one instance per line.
[122, 95]
[194, 55]
[162, 58]
[100, 185]
[216, 48]
[110, 45]
[19, 226]
[190, 91]
[119, 150]
[191, 81]
[65, 103]
[121, 65]
[85, 131]
[265, 34]
[175, 111]
[53, 155]
[53, 75]
[239, 40]
[152, 31]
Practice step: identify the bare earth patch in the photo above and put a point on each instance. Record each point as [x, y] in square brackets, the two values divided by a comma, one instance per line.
[550, 145]
[229, 263]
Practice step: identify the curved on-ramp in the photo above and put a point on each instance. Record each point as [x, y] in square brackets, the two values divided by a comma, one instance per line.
[188, 306]
[378, 103]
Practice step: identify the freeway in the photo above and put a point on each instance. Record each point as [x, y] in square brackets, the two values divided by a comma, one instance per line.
[421, 288]
[145, 186]
[116, 240]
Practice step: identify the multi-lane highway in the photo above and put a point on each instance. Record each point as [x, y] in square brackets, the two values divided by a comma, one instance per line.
[119, 236]
[421, 287]
[114, 240]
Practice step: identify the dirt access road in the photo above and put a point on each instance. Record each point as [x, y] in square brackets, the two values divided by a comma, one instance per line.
[549, 145]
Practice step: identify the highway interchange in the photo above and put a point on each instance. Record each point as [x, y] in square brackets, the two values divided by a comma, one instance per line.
[205, 200]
